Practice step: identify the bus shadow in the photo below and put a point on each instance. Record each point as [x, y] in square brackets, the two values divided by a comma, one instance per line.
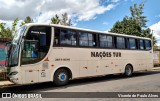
[50, 86]
[111, 77]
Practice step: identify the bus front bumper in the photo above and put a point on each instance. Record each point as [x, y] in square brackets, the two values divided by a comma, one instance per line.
[14, 78]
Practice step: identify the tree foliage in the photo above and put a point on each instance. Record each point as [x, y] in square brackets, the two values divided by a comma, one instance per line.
[28, 19]
[135, 24]
[10, 32]
[127, 26]
[55, 19]
[63, 21]
[136, 13]
[7, 32]
[13, 29]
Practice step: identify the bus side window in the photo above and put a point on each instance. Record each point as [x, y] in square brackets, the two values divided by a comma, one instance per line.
[56, 37]
[68, 37]
[73, 37]
[92, 40]
[106, 41]
[127, 45]
[120, 42]
[95, 40]
[83, 39]
[87, 39]
[132, 43]
[141, 44]
[147, 44]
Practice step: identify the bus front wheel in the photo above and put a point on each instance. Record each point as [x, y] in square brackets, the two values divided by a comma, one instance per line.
[61, 77]
[128, 70]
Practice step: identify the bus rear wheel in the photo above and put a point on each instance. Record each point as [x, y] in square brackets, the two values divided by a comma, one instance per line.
[128, 70]
[61, 77]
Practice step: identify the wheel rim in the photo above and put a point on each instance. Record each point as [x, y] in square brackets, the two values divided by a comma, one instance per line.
[128, 71]
[62, 77]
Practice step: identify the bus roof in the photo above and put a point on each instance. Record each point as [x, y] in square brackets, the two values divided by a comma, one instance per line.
[82, 29]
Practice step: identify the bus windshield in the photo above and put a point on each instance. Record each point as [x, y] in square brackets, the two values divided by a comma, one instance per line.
[13, 52]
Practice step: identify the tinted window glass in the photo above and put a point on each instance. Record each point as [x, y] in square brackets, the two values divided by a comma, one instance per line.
[141, 44]
[56, 37]
[90, 38]
[86, 39]
[120, 42]
[36, 44]
[132, 43]
[106, 41]
[83, 39]
[68, 37]
[148, 44]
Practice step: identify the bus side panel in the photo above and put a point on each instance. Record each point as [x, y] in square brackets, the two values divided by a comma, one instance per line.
[64, 57]
[82, 63]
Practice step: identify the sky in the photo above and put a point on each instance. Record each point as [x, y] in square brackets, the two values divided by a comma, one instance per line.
[98, 15]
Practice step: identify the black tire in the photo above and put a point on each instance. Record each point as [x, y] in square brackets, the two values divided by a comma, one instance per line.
[128, 70]
[61, 77]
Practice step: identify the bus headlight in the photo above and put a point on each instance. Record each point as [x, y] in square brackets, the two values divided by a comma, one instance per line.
[13, 73]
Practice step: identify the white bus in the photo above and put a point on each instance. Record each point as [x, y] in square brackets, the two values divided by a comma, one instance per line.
[48, 52]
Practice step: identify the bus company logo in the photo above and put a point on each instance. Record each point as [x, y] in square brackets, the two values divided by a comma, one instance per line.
[105, 54]
[43, 74]
[6, 95]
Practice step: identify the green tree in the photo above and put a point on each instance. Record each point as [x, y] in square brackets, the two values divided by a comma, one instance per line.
[3, 33]
[55, 19]
[7, 32]
[14, 25]
[10, 32]
[65, 20]
[154, 41]
[134, 25]
[149, 34]
[136, 13]
[28, 19]
[126, 26]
